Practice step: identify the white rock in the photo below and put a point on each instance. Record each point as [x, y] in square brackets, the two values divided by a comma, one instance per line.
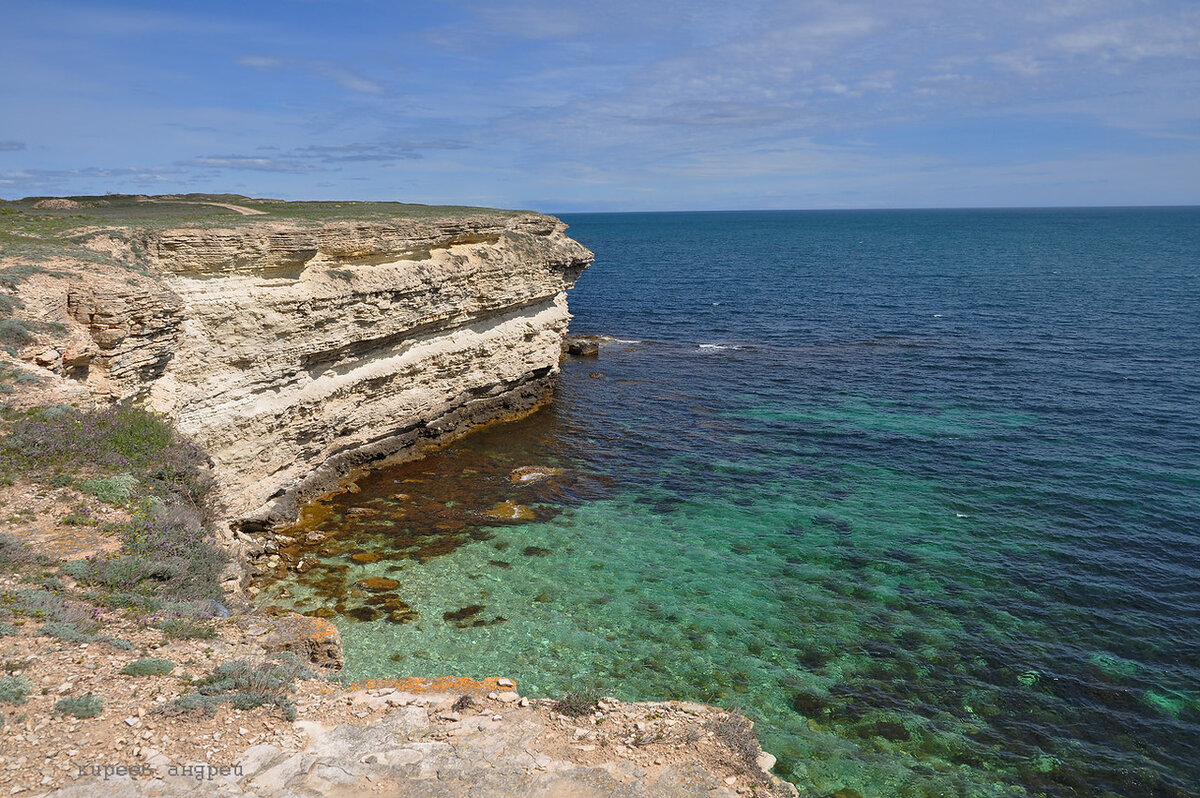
[766, 762]
[243, 380]
[506, 683]
[507, 697]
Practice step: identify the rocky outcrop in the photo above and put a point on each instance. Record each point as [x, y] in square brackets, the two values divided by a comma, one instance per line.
[294, 351]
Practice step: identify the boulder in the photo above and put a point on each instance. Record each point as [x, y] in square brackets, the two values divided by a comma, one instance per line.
[314, 640]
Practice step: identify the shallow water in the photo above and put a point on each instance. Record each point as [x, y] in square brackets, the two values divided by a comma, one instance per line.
[916, 490]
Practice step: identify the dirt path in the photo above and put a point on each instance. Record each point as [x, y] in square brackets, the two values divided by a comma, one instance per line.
[243, 210]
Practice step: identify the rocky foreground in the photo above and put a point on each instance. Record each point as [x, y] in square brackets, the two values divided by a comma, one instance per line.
[411, 737]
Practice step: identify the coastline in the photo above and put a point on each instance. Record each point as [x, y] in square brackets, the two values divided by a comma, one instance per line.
[70, 632]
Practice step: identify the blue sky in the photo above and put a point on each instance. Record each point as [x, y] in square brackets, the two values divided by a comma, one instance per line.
[565, 105]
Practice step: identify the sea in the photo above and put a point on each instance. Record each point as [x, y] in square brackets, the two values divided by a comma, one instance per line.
[918, 491]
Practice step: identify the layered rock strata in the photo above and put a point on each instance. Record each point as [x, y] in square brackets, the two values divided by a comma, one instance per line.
[293, 352]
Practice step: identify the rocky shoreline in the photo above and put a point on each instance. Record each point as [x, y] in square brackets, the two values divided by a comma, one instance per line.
[294, 349]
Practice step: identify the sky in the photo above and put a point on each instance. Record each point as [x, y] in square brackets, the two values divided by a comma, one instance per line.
[607, 105]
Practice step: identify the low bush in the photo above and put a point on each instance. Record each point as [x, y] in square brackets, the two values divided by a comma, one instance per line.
[14, 333]
[16, 555]
[577, 703]
[33, 602]
[14, 689]
[738, 735]
[127, 442]
[187, 629]
[245, 685]
[7, 629]
[116, 490]
[148, 667]
[116, 642]
[87, 706]
[66, 632]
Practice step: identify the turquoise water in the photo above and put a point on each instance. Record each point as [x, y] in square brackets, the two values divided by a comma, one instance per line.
[918, 491]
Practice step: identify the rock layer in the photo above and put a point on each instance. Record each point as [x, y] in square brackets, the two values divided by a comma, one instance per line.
[294, 352]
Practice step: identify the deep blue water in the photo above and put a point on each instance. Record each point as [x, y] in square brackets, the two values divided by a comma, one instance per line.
[918, 490]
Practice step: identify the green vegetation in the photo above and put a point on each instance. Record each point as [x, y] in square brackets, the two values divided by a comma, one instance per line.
[29, 234]
[148, 667]
[14, 689]
[126, 456]
[17, 557]
[66, 631]
[116, 489]
[88, 706]
[187, 629]
[245, 685]
[577, 703]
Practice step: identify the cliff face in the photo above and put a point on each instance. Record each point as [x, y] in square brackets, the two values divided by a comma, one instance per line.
[295, 352]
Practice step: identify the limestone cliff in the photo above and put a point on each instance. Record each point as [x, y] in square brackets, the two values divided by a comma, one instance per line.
[294, 344]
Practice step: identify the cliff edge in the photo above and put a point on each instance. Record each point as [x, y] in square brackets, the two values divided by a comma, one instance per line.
[293, 341]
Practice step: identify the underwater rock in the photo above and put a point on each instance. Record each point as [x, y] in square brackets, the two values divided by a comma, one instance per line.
[402, 616]
[313, 639]
[525, 474]
[510, 511]
[887, 729]
[367, 557]
[465, 617]
[456, 617]
[377, 584]
[500, 563]
[810, 705]
[582, 345]
[365, 613]
[535, 551]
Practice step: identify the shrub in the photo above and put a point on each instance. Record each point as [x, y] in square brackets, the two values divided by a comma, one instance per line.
[14, 333]
[76, 569]
[7, 629]
[143, 581]
[738, 735]
[148, 667]
[116, 642]
[577, 703]
[88, 706]
[122, 438]
[16, 555]
[112, 490]
[65, 631]
[187, 629]
[246, 685]
[80, 515]
[35, 603]
[14, 689]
